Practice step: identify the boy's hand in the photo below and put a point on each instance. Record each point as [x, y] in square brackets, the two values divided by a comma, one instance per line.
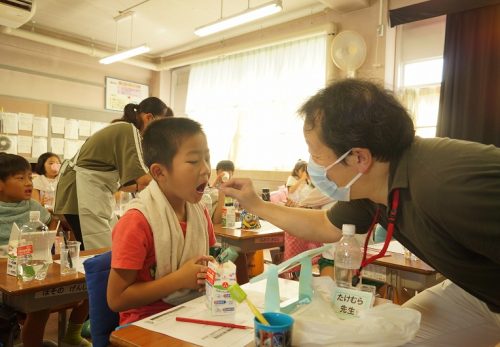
[194, 272]
[242, 190]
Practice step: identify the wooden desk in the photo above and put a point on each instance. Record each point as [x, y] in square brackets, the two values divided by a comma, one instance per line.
[399, 272]
[132, 335]
[247, 241]
[53, 292]
[136, 336]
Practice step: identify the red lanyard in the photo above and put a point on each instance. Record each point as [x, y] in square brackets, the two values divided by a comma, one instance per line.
[390, 229]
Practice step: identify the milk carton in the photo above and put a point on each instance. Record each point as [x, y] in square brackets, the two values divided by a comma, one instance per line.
[219, 278]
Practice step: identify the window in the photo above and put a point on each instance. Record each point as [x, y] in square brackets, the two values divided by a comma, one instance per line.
[421, 65]
[247, 102]
[421, 89]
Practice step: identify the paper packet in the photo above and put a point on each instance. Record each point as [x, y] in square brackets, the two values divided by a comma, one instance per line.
[219, 277]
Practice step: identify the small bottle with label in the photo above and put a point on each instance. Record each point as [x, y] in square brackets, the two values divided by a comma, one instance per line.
[266, 194]
[228, 213]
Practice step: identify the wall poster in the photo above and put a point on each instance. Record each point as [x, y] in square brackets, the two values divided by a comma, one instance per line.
[118, 93]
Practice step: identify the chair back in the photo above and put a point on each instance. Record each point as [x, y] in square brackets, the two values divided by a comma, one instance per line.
[103, 321]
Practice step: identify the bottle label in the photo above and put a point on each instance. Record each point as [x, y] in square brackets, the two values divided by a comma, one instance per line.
[24, 250]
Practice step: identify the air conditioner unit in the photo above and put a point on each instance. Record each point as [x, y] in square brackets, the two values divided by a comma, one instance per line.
[14, 13]
[344, 6]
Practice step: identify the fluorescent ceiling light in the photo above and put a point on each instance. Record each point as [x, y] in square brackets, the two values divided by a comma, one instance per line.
[241, 18]
[125, 54]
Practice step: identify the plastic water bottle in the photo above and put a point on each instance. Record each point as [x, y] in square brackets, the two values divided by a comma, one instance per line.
[49, 196]
[206, 200]
[32, 263]
[347, 258]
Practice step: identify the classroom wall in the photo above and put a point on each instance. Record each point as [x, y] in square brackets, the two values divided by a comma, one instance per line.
[37, 71]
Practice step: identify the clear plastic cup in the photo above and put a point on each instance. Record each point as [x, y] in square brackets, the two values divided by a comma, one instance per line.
[70, 257]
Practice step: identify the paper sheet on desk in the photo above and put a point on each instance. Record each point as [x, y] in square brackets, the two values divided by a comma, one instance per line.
[207, 335]
[79, 266]
[394, 247]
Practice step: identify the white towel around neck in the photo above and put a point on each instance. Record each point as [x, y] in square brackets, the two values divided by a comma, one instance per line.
[172, 249]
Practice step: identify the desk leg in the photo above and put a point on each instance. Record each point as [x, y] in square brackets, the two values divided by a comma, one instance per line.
[61, 326]
[242, 269]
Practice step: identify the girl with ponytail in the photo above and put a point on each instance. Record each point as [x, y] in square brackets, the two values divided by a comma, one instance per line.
[110, 160]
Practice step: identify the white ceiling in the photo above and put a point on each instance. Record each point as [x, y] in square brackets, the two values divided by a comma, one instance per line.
[165, 25]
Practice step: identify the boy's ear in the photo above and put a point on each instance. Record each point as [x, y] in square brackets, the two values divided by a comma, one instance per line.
[156, 170]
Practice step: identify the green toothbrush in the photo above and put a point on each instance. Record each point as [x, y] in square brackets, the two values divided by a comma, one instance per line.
[239, 295]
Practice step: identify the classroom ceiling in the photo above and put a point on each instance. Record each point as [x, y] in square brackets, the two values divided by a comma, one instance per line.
[165, 25]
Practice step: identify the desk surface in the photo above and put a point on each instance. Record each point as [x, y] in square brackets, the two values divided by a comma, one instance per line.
[266, 229]
[10, 285]
[399, 262]
[138, 336]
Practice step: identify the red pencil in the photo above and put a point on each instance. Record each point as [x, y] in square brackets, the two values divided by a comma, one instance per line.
[211, 322]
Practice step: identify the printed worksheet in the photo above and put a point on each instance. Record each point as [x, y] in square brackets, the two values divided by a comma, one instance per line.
[25, 121]
[40, 126]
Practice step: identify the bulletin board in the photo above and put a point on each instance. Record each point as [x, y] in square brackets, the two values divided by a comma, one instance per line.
[31, 127]
[23, 126]
[119, 93]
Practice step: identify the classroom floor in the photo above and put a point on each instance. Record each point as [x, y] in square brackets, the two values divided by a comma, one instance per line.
[50, 331]
[51, 328]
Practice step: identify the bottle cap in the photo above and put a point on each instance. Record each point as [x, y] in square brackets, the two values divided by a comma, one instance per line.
[34, 215]
[228, 201]
[265, 190]
[348, 229]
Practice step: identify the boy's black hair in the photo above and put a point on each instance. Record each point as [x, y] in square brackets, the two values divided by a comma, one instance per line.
[163, 137]
[11, 164]
[40, 165]
[225, 165]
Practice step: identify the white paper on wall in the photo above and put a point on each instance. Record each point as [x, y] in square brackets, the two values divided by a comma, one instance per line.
[25, 121]
[24, 144]
[70, 148]
[57, 146]
[84, 128]
[96, 126]
[40, 126]
[58, 124]
[71, 129]
[9, 123]
[39, 146]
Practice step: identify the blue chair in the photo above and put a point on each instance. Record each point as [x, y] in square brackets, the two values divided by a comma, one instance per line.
[103, 321]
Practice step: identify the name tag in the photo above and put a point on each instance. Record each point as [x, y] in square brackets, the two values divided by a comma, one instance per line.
[63, 290]
[349, 302]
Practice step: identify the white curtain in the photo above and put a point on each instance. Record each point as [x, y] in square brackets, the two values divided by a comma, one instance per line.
[247, 102]
[423, 106]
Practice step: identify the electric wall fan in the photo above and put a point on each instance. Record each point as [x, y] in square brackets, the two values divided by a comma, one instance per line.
[348, 51]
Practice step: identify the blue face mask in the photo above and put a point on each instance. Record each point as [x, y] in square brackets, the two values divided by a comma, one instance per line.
[317, 173]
